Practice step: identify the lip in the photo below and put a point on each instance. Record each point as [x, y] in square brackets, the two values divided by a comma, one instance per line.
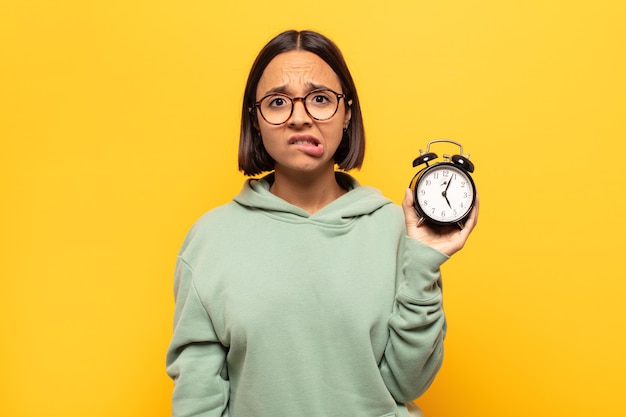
[307, 144]
[304, 140]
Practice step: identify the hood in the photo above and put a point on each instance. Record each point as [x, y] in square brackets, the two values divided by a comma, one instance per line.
[358, 201]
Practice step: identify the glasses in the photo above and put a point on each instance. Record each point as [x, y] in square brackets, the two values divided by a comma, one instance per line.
[321, 104]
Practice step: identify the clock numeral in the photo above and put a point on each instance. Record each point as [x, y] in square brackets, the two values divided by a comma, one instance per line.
[443, 214]
[446, 173]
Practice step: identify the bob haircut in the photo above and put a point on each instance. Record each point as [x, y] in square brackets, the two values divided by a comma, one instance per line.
[253, 158]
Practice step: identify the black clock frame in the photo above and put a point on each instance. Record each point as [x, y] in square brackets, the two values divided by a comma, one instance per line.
[459, 162]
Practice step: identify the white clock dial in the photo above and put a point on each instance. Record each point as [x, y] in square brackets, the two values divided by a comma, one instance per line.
[445, 193]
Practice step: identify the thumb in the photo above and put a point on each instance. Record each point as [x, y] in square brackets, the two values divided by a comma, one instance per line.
[410, 216]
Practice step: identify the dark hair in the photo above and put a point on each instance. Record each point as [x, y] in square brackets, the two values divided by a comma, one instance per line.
[253, 158]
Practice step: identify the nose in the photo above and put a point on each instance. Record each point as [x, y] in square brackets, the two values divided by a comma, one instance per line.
[299, 115]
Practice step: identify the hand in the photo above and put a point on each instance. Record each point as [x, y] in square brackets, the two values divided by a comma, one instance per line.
[448, 240]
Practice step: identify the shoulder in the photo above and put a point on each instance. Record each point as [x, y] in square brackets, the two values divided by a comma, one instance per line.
[393, 216]
[212, 226]
[374, 207]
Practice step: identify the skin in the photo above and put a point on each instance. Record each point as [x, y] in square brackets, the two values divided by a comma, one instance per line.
[448, 240]
[307, 180]
[302, 179]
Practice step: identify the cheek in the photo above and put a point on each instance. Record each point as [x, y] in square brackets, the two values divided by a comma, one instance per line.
[333, 136]
[270, 139]
[267, 133]
[334, 131]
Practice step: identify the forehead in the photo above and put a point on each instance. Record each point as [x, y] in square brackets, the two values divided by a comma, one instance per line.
[296, 71]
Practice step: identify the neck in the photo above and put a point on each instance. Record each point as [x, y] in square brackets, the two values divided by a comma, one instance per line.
[310, 193]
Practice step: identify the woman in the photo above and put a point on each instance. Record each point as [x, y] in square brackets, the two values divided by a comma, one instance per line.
[308, 295]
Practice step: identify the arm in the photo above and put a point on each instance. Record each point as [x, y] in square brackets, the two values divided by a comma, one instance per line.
[417, 327]
[196, 360]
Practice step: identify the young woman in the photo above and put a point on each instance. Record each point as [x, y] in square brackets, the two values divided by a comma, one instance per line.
[308, 295]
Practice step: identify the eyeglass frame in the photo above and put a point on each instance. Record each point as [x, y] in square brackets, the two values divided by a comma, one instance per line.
[293, 101]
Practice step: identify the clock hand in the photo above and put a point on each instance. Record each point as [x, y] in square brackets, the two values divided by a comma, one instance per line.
[446, 197]
[445, 193]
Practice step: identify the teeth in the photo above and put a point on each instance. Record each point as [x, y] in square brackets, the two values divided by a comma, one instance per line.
[304, 142]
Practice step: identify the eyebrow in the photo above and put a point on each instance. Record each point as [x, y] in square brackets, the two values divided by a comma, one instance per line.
[283, 88]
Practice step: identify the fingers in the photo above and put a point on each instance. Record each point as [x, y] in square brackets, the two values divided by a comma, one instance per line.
[470, 224]
[472, 219]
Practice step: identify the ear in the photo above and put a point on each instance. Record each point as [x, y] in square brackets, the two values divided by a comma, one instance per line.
[348, 115]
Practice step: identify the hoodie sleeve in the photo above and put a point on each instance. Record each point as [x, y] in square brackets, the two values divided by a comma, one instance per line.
[417, 327]
[196, 360]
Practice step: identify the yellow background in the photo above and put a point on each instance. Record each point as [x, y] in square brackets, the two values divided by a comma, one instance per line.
[119, 123]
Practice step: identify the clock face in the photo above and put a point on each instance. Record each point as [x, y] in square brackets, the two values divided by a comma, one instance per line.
[444, 193]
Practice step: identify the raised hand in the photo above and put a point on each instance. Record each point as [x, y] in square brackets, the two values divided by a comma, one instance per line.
[449, 239]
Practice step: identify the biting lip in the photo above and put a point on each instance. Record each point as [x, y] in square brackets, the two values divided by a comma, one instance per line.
[304, 140]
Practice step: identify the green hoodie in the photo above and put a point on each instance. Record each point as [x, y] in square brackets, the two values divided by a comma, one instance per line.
[280, 313]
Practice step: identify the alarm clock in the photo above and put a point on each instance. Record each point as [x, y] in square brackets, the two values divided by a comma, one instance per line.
[444, 192]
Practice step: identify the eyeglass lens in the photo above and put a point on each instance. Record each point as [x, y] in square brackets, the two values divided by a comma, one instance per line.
[319, 104]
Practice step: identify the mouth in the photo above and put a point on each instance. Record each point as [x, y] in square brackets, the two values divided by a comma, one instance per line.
[304, 140]
[307, 144]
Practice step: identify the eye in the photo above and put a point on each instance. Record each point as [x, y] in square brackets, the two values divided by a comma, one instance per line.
[321, 98]
[276, 101]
